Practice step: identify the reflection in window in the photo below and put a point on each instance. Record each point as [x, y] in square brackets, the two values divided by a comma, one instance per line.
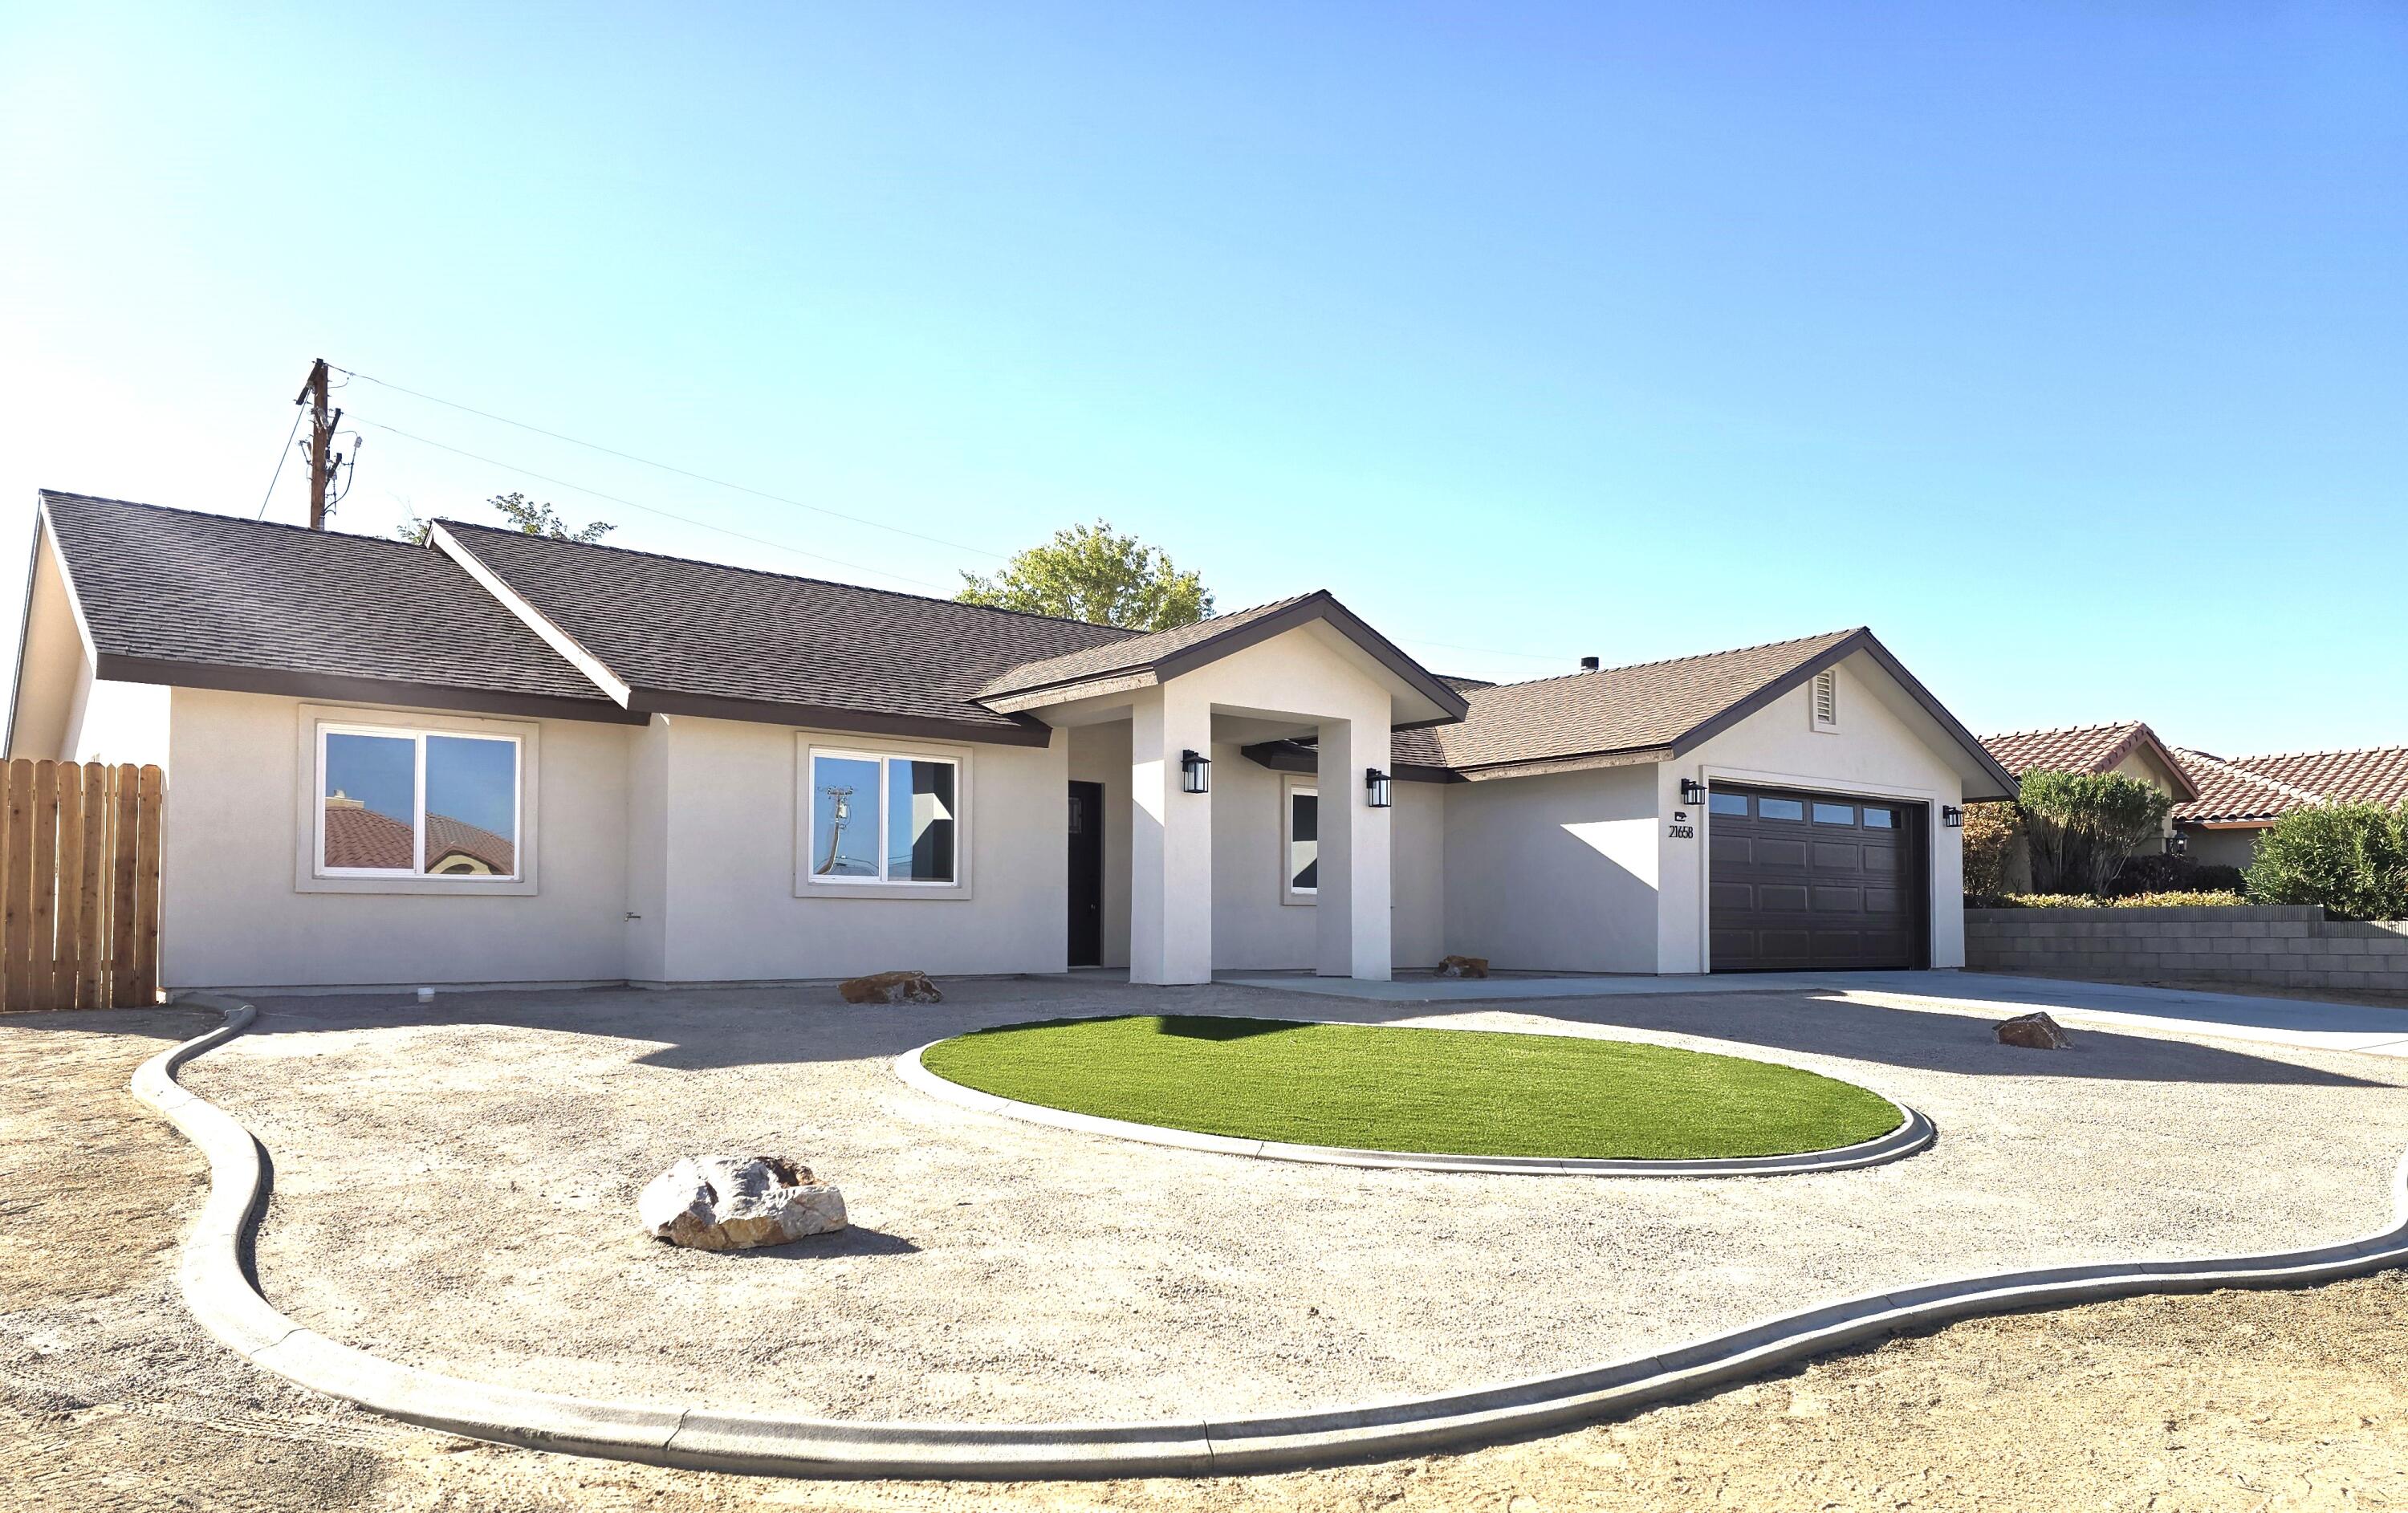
[418, 802]
[1879, 819]
[1726, 804]
[1780, 809]
[1303, 840]
[884, 819]
[1835, 814]
[919, 820]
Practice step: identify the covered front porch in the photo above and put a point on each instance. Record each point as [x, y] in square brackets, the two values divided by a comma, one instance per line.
[1188, 856]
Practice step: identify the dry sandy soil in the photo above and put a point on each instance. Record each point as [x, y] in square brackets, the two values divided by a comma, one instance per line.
[111, 1399]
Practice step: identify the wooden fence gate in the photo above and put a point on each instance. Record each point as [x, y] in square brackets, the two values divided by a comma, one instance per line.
[80, 885]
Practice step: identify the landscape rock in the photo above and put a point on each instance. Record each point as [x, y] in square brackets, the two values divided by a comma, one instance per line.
[2034, 1032]
[890, 988]
[1463, 967]
[735, 1203]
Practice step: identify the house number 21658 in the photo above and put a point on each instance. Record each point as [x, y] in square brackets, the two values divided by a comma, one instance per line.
[1683, 832]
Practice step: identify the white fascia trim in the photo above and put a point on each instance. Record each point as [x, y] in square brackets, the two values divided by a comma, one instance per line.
[536, 621]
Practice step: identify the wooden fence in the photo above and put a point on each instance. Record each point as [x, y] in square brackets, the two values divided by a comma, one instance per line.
[80, 885]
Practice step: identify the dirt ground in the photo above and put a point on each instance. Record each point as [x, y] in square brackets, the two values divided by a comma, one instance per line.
[109, 1398]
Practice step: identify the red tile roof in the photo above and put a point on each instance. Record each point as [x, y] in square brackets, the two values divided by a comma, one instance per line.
[2265, 788]
[361, 837]
[2085, 749]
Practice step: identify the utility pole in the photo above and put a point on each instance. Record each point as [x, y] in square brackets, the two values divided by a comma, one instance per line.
[322, 441]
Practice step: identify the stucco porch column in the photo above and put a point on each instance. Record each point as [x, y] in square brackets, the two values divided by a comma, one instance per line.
[1351, 910]
[1170, 839]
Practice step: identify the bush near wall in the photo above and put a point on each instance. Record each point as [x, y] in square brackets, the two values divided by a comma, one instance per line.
[2196, 898]
[2350, 858]
[1989, 839]
[2159, 873]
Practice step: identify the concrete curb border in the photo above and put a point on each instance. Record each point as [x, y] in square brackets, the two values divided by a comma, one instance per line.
[1913, 1134]
[221, 1297]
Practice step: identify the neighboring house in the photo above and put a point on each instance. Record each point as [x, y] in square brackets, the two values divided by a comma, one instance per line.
[2240, 797]
[501, 758]
[2127, 746]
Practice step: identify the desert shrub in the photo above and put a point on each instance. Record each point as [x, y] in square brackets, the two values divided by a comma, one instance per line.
[2350, 858]
[1989, 839]
[2083, 825]
[2159, 873]
[2199, 898]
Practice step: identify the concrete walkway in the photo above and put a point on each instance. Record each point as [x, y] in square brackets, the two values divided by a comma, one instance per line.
[2283, 1022]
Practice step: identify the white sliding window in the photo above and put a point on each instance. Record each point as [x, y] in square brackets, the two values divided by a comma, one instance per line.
[881, 818]
[399, 803]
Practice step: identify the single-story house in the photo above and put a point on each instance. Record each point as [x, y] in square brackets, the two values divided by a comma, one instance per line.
[2126, 746]
[2240, 798]
[497, 758]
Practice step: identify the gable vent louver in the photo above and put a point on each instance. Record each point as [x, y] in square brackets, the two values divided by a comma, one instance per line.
[1826, 699]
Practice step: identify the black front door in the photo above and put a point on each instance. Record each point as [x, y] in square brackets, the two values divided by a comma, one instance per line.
[1086, 874]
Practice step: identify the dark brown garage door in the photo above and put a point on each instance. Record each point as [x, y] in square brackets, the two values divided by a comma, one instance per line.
[1799, 880]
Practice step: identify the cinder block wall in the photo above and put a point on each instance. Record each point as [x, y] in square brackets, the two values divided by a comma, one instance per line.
[2275, 946]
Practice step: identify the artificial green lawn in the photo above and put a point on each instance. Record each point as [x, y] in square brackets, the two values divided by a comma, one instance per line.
[1462, 1093]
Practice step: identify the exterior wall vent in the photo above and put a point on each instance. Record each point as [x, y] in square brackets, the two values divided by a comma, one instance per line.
[1825, 699]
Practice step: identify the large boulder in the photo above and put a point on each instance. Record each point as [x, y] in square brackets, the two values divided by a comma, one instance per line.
[735, 1203]
[1463, 967]
[890, 988]
[2034, 1032]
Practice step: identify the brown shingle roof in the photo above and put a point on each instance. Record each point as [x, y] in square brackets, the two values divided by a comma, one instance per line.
[1127, 652]
[2268, 787]
[1618, 710]
[220, 601]
[706, 639]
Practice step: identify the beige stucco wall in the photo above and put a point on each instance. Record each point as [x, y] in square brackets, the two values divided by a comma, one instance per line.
[1555, 873]
[1417, 873]
[730, 801]
[231, 916]
[1874, 751]
[1251, 928]
[2222, 848]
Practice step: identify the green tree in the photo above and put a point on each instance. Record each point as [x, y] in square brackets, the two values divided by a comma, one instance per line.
[2082, 825]
[2351, 858]
[1091, 573]
[1989, 839]
[530, 518]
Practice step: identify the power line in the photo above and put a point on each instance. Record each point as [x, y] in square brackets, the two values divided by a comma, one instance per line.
[667, 468]
[261, 513]
[665, 514]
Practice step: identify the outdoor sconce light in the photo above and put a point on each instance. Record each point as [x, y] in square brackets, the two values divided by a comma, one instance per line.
[1194, 773]
[1693, 793]
[1953, 817]
[1375, 783]
[2177, 843]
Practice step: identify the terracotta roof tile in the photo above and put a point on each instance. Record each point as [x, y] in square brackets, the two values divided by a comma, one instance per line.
[2268, 787]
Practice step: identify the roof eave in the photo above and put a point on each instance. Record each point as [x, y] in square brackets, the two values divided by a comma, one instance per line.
[342, 687]
[1019, 732]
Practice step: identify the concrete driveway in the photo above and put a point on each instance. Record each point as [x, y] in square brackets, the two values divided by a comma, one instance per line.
[454, 1188]
[2284, 1021]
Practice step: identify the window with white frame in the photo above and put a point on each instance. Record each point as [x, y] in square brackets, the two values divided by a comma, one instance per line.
[400, 803]
[881, 818]
[1302, 835]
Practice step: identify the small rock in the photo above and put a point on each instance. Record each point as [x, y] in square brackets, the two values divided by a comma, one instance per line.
[735, 1203]
[2034, 1032]
[890, 988]
[1463, 967]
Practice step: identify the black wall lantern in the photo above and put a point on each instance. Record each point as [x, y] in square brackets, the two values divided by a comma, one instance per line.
[1375, 784]
[2177, 843]
[1953, 817]
[1194, 773]
[1693, 793]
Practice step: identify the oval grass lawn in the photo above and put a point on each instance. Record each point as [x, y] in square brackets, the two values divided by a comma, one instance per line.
[1463, 1092]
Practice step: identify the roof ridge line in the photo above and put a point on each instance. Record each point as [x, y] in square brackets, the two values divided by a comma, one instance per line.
[792, 578]
[1666, 661]
[48, 494]
[2067, 729]
[2338, 751]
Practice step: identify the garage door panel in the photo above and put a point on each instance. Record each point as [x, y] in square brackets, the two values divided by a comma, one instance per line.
[1811, 881]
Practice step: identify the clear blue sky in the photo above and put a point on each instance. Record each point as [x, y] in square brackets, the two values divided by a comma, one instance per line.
[2067, 346]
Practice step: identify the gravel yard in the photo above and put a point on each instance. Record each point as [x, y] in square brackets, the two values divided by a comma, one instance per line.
[454, 1188]
[110, 1397]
